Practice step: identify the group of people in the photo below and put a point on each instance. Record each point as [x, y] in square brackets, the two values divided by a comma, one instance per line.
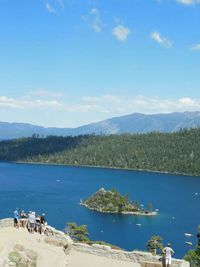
[37, 223]
[31, 221]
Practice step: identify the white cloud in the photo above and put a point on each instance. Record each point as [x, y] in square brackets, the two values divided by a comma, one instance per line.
[121, 32]
[86, 108]
[188, 2]
[21, 103]
[93, 108]
[118, 105]
[196, 47]
[53, 6]
[50, 8]
[94, 20]
[45, 93]
[156, 36]
[8, 102]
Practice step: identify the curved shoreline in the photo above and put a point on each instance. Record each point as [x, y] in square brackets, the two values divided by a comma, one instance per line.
[104, 167]
[137, 213]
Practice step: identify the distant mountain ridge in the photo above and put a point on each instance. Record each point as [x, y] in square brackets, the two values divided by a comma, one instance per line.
[132, 123]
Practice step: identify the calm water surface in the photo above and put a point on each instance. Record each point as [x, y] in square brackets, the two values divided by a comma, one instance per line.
[57, 190]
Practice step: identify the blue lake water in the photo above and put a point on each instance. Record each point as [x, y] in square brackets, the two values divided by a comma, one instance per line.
[57, 190]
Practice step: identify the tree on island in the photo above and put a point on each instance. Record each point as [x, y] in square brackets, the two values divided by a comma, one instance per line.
[154, 244]
[111, 201]
[193, 256]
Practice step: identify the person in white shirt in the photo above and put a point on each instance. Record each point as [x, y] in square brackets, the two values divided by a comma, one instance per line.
[32, 222]
[168, 252]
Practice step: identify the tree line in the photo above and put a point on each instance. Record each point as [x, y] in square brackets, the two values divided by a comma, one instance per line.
[177, 152]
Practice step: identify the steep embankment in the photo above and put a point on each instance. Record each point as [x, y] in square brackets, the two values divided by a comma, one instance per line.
[34, 250]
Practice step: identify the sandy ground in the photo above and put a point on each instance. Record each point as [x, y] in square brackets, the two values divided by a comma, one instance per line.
[49, 255]
[78, 259]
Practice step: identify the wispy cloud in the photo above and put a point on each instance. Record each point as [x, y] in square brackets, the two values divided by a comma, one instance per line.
[53, 6]
[50, 8]
[164, 41]
[117, 105]
[21, 103]
[121, 32]
[94, 20]
[196, 47]
[45, 93]
[188, 2]
[103, 106]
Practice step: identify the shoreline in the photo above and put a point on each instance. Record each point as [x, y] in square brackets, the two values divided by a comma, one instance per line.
[104, 167]
[136, 213]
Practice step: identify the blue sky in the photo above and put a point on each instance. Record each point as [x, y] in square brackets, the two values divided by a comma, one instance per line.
[66, 63]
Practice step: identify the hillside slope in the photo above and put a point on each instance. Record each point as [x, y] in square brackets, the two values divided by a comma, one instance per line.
[132, 123]
[177, 152]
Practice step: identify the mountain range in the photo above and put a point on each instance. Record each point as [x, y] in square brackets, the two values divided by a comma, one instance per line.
[132, 123]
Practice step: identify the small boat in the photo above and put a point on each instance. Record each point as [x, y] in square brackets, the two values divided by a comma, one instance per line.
[173, 218]
[187, 234]
[196, 194]
[138, 224]
[156, 210]
[188, 243]
[58, 180]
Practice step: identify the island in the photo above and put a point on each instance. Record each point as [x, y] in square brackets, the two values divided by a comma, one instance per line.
[111, 201]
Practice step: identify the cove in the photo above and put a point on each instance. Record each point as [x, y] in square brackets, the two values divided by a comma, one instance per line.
[57, 190]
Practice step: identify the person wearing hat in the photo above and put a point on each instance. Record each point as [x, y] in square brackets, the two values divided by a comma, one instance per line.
[168, 252]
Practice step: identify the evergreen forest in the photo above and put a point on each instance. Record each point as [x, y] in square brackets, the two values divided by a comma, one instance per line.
[177, 152]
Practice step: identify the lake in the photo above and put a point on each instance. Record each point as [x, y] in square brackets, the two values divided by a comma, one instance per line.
[57, 190]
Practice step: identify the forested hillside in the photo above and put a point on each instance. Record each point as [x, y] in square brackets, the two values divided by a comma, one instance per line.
[167, 152]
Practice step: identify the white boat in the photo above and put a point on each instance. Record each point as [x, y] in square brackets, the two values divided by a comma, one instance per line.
[138, 224]
[187, 234]
[188, 243]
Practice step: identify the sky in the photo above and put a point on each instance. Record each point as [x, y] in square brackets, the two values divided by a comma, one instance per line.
[67, 63]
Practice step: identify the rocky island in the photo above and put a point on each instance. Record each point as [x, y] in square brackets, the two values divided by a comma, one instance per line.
[112, 201]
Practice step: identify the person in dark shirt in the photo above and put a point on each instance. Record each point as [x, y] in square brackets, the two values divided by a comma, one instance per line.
[16, 218]
[43, 224]
[23, 219]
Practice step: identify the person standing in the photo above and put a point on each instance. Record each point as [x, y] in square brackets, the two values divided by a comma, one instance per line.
[43, 224]
[23, 219]
[32, 222]
[168, 252]
[16, 218]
